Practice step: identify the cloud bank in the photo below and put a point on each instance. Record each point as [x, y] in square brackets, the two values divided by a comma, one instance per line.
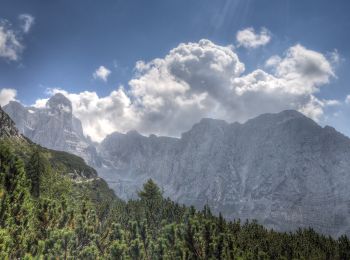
[168, 95]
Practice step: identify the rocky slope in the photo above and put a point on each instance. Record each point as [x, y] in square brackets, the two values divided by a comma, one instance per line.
[282, 169]
[7, 126]
[53, 127]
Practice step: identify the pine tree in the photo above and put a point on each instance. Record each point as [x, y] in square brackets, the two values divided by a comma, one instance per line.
[219, 247]
[117, 250]
[207, 236]
[151, 198]
[35, 169]
[17, 207]
[150, 191]
[344, 247]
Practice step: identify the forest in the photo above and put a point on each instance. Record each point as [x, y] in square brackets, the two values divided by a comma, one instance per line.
[45, 214]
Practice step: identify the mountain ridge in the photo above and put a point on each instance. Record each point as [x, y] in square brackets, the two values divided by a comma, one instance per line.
[277, 168]
[274, 168]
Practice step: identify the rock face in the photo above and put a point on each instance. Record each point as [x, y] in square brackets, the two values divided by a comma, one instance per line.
[282, 169]
[7, 126]
[53, 127]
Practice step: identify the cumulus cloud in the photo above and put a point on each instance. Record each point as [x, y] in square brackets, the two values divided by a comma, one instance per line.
[193, 80]
[27, 21]
[10, 45]
[102, 73]
[207, 80]
[248, 38]
[304, 69]
[7, 95]
[168, 95]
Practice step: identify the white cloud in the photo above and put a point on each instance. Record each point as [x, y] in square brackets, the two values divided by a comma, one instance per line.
[168, 95]
[332, 102]
[27, 21]
[248, 38]
[102, 73]
[304, 69]
[40, 103]
[347, 99]
[10, 45]
[192, 81]
[7, 95]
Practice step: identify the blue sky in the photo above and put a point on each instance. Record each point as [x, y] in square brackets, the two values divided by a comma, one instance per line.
[69, 40]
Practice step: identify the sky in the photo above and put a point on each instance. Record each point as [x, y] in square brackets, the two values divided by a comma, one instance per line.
[160, 66]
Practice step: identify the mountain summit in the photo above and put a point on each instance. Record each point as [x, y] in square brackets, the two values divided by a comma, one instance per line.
[60, 105]
[54, 127]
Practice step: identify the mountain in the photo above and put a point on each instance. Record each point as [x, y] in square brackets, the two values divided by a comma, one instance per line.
[282, 169]
[54, 127]
[53, 206]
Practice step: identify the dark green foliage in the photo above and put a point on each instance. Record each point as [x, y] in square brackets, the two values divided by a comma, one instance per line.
[150, 192]
[36, 168]
[44, 214]
[17, 218]
[66, 160]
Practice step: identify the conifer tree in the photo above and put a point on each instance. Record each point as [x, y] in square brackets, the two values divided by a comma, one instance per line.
[344, 247]
[151, 197]
[35, 169]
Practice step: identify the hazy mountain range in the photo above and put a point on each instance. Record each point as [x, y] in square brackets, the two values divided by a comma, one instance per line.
[282, 169]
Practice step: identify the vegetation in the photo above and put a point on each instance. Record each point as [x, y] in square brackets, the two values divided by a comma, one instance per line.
[45, 213]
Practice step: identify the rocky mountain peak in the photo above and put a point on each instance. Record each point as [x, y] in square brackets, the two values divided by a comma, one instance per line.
[133, 133]
[54, 127]
[205, 127]
[281, 117]
[15, 105]
[59, 104]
